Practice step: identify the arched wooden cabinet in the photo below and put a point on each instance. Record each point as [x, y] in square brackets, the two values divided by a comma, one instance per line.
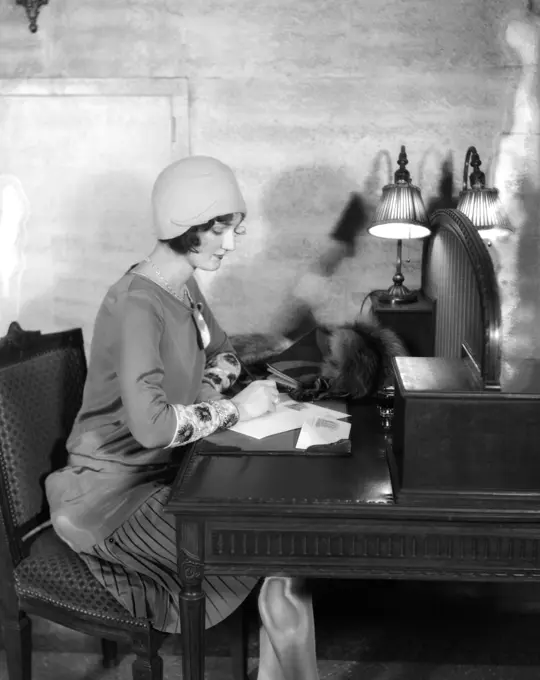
[456, 437]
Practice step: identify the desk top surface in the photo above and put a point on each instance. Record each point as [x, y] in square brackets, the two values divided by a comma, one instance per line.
[213, 482]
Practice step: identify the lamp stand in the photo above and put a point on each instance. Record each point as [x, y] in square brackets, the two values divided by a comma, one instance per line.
[398, 294]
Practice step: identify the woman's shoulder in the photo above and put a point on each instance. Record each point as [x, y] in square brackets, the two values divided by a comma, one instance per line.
[132, 287]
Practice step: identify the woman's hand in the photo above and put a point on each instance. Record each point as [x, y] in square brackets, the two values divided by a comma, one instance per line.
[258, 398]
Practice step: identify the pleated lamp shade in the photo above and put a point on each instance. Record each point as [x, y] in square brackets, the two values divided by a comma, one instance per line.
[401, 213]
[480, 204]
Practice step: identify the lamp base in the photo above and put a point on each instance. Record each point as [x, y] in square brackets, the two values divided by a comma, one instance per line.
[397, 295]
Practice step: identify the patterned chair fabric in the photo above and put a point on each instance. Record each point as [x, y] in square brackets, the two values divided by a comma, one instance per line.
[39, 399]
[53, 573]
[41, 385]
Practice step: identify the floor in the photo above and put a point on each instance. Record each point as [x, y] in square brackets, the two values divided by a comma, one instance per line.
[365, 631]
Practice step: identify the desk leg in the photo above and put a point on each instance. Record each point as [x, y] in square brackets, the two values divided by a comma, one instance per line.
[192, 600]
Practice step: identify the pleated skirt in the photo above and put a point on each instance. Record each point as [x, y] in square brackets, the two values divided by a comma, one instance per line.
[137, 565]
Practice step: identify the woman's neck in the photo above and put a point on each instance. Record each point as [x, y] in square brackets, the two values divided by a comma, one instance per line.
[175, 268]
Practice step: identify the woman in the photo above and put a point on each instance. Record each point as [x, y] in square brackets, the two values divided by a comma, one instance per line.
[158, 367]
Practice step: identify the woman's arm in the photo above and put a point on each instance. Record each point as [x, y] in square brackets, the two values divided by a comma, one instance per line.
[221, 371]
[151, 419]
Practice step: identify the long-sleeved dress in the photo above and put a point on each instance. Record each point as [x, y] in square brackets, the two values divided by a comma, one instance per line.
[154, 386]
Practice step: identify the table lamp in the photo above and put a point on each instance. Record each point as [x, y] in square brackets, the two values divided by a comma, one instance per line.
[401, 214]
[480, 204]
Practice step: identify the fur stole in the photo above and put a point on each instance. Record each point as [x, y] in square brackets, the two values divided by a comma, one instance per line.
[356, 359]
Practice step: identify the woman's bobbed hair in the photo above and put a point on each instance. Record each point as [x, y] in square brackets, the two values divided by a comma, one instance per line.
[190, 240]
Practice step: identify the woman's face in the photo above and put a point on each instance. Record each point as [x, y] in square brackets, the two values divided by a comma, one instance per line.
[219, 240]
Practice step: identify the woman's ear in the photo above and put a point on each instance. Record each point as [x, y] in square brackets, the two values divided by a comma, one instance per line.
[286, 612]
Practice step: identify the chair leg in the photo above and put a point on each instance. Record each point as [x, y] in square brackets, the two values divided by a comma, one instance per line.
[238, 630]
[17, 636]
[148, 664]
[109, 650]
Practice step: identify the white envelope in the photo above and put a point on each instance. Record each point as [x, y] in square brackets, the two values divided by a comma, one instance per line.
[309, 409]
[322, 430]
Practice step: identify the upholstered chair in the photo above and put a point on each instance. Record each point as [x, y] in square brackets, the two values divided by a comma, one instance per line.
[41, 384]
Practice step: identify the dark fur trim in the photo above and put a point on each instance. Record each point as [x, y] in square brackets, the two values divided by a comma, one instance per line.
[360, 358]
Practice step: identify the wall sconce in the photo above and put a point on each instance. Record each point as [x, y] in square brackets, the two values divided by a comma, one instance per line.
[32, 8]
[480, 204]
[401, 214]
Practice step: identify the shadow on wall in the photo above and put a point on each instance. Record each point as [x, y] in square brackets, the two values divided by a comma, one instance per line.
[329, 217]
[444, 199]
[317, 254]
[311, 216]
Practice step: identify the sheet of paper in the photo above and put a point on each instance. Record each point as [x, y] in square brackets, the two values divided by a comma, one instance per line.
[272, 423]
[322, 430]
[289, 415]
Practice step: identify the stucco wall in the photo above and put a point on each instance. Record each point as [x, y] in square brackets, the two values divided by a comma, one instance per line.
[302, 99]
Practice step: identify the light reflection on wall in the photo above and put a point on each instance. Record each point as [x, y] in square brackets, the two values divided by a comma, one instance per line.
[14, 214]
[517, 176]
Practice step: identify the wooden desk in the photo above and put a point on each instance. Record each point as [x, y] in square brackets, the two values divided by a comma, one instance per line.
[330, 517]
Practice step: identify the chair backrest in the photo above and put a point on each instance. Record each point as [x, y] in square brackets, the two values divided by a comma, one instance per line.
[41, 385]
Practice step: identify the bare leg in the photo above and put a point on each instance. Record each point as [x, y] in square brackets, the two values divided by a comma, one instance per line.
[269, 666]
[288, 640]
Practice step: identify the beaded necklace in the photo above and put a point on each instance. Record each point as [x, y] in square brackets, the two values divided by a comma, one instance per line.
[203, 332]
[185, 292]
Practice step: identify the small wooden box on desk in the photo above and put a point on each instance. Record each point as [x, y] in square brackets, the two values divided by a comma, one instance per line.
[413, 322]
[455, 442]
